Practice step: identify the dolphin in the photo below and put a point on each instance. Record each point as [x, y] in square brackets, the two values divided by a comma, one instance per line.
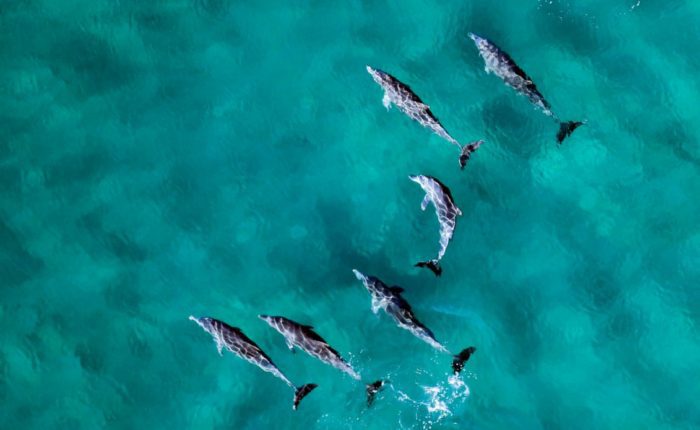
[390, 300]
[233, 339]
[503, 66]
[305, 338]
[447, 212]
[401, 95]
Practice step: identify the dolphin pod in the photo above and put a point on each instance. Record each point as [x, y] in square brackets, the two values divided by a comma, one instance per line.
[233, 339]
[384, 297]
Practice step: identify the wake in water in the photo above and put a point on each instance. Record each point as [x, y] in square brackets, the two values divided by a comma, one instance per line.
[439, 401]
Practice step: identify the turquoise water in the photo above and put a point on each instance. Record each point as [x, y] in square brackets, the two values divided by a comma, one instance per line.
[166, 158]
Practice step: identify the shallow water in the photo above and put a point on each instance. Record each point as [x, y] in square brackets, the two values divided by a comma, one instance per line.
[160, 159]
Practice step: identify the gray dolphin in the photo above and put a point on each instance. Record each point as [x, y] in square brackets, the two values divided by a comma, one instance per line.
[305, 338]
[408, 102]
[233, 339]
[390, 300]
[446, 210]
[502, 65]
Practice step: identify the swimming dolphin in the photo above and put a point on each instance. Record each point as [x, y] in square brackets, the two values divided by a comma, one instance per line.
[440, 196]
[390, 300]
[503, 66]
[233, 339]
[305, 338]
[399, 94]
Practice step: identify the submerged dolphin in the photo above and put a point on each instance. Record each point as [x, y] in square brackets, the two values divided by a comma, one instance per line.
[447, 212]
[305, 338]
[503, 66]
[233, 339]
[390, 300]
[399, 94]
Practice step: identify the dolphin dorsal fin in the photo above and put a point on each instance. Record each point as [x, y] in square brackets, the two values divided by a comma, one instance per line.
[396, 289]
[308, 327]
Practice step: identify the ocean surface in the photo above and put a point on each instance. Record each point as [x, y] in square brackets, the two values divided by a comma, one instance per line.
[160, 159]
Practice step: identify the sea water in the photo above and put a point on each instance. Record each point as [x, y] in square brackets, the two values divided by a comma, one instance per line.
[229, 158]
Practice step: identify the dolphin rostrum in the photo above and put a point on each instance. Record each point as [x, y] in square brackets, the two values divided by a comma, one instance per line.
[233, 339]
[447, 212]
[503, 66]
[401, 95]
[305, 338]
[390, 300]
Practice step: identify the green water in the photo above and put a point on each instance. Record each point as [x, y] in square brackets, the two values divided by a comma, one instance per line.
[166, 158]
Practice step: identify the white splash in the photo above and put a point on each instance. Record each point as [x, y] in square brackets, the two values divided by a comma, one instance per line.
[436, 403]
[458, 385]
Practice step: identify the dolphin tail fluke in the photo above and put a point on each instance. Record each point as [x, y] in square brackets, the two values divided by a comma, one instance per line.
[301, 392]
[372, 390]
[433, 265]
[461, 358]
[466, 152]
[566, 128]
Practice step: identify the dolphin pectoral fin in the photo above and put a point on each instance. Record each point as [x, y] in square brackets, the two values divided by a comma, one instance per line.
[424, 203]
[386, 101]
[376, 305]
[290, 345]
